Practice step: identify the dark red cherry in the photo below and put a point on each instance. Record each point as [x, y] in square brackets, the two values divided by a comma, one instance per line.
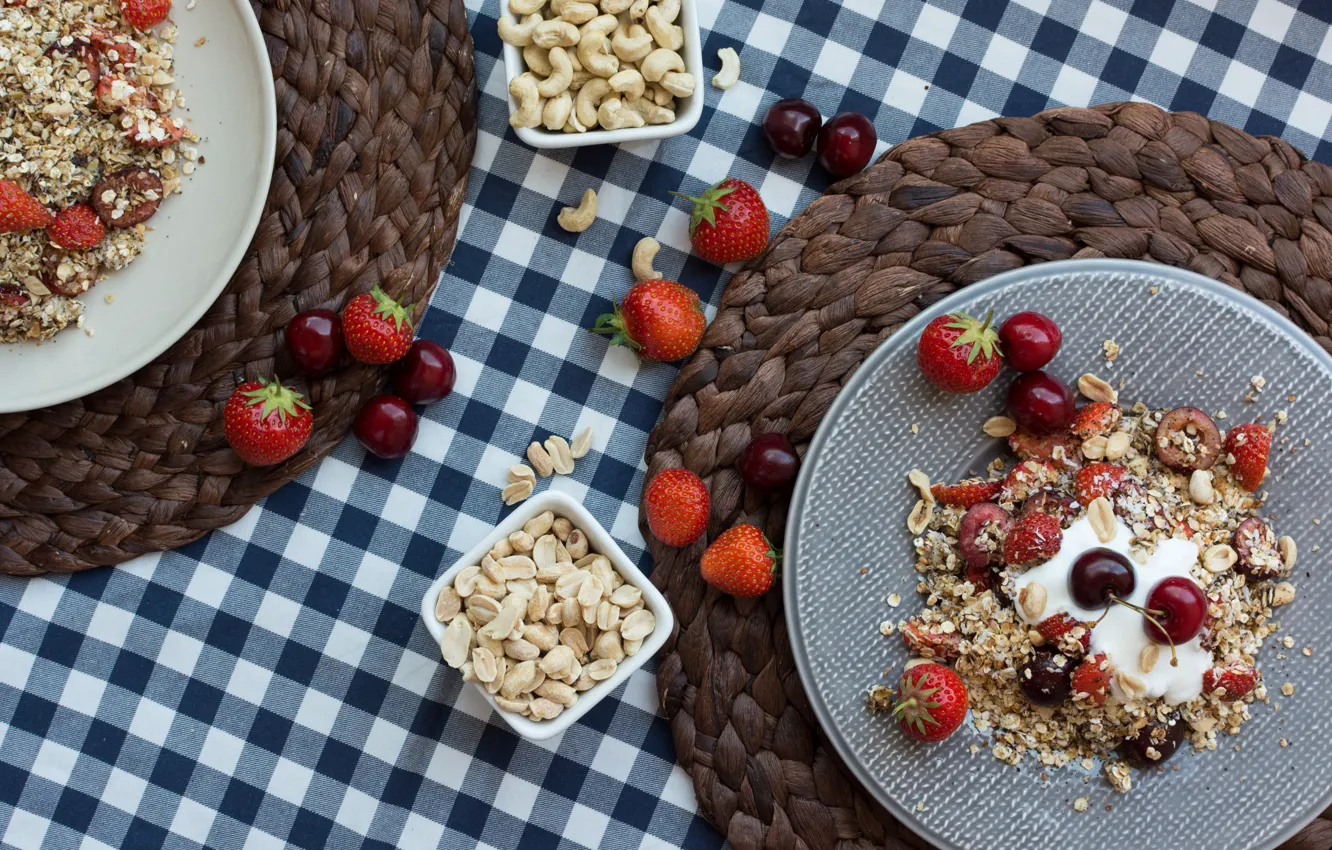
[846, 143]
[1047, 678]
[314, 339]
[1099, 574]
[769, 462]
[791, 126]
[426, 374]
[386, 426]
[1153, 744]
[1041, 403]
[1179, 605]
[1029, 340]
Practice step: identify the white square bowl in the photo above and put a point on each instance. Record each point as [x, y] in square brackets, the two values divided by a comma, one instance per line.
[561, 504]
[688, 109]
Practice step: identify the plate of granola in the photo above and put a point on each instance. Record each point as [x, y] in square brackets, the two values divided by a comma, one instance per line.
[137, 154]
[1069, 603]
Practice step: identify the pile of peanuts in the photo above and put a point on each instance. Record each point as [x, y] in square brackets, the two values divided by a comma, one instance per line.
[541, 619]
[613, 66]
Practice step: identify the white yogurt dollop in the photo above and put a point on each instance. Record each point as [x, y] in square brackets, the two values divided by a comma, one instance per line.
[1121, 635]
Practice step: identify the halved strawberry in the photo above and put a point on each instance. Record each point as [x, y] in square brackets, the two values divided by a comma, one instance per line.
[1099, 417]
[1033, 537]
[1060, 449]
[930, 642]
[1096, 480]
[1092, 677]
[1055, 627]
[1236, 680]
[973, 491]
[1249, 446]
[1027, 479]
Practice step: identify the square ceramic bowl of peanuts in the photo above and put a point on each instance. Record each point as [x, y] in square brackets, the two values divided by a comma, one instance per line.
[546, 616]
[583, 73]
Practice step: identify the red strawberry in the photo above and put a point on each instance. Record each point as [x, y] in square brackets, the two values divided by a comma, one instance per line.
[20, 211]
[1027, 479]
[1096, 480]
[1249, 445]
[145, 14]
[740, 562]
[931, 702]
[959, 354]
[967, 493]
[660, 319]
[76, 228]
[1060, 449]
[677, 503]
[155, 132]
[728, 223]
[1034, 537]
[376, 328]
[1055, 627]
[265, 422]
[1092, 677]
[1237, 680]
[981, 578]
[929, 642]
[1099, 417]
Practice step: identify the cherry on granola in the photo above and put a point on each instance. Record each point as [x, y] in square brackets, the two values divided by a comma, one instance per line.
[139, 188]
[1047, 678]
[1187, 439]
[1041, 403]
[1100, 575]
[1256, 547]
[1029, 340]
[980, 536]
[1153, 744]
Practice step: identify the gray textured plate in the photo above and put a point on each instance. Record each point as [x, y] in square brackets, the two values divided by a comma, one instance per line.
[849, 511]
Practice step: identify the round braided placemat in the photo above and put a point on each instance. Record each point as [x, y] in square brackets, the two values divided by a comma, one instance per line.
[376, 128]
[934, 214]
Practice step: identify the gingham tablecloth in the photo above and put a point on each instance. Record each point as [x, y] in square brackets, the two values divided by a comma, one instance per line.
[271, 685]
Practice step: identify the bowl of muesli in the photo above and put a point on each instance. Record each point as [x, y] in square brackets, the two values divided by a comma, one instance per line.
[1126, 598]
[137, 158]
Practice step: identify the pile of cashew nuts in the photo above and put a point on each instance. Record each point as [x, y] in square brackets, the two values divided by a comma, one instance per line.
[610, 66]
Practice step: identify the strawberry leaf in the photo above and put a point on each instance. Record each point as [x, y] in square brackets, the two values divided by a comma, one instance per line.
[706, 205]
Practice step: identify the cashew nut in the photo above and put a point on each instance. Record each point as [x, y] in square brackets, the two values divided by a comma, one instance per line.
[614, 115]
[557, 111]
[561, 74]
[614, 7]
[670, 10]
[594, 48]
[660, 96]
[579, 78]
[580, 218]
[519, 35]
[651, 112]
[555, 34]
[629, 83]
[730, 68]
[638, 9]
[523, 88]
[666, 34]
[680, 85]
[631, 44]
[537, 59]
[589, 97]
[523, 8]
[658, 63]
[574, 125]
[578, 13]
[644, 253]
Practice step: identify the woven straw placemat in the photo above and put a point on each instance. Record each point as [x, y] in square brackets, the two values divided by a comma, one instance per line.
[933, 215]
[376, 128]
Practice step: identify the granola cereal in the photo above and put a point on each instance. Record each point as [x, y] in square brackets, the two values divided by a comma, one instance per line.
[1050, 684]
[89, 118]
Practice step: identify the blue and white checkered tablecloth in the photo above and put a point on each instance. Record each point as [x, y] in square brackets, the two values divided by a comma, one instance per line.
[271, 685]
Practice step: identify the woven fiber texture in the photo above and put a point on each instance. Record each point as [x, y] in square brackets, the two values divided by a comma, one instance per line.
[936, 213]
[376, 127]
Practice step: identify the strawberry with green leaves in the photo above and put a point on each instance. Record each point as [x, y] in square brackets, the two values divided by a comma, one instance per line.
[1249, 445]
[728, 223]
[931, 702]
[677, 503]
[660, 319]
[376, 329]
[959, 354]
[265, 422]
[740, 562]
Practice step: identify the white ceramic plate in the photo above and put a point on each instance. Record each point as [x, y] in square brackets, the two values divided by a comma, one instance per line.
[198, 237]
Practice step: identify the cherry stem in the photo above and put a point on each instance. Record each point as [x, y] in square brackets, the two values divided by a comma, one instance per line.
[1150, 614]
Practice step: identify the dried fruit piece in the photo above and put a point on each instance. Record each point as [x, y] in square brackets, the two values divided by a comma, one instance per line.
[1097, 418]
[128, 197]
[1059, 449]
[982, 532]
[1187, 439]
[1256, 547]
